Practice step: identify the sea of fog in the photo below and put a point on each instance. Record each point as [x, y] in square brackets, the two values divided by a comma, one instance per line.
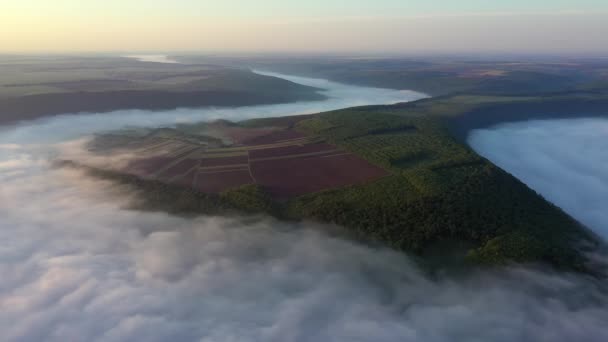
[566, 161]
[76, 265]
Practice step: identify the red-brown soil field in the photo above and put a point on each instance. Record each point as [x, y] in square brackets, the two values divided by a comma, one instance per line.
[148, 166]
[243, 135]
[213, 162]
[297, 176]
[284, 162]
[180, 169]
[274, 137]
[290, 150]
[219, 181]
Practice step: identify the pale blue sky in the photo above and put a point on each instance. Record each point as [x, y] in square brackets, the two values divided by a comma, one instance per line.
[298, 7]
[311, 25]
[390, 7]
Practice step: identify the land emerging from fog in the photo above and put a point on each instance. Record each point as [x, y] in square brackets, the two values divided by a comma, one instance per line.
[35, 87]
[400, 175]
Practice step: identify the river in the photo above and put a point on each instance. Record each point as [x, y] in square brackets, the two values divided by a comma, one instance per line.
[77, 265]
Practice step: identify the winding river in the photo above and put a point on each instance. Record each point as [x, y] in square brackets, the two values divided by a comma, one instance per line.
[77, 266]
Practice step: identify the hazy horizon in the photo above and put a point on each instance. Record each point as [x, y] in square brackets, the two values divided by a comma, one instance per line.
[304, 171]
[379, 28]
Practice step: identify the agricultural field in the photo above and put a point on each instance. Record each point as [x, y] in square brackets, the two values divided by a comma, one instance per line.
[392, 174]
[283, 161]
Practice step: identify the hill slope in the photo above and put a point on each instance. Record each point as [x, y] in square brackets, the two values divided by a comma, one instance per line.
[436, 191]
[35, 87]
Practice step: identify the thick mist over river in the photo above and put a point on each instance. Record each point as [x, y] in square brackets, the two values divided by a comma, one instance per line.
[60, 128]
[77, 266]
[566, 161]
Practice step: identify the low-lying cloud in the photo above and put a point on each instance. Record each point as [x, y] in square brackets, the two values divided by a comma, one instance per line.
[564, 160]
[59, 128]
[78, 266]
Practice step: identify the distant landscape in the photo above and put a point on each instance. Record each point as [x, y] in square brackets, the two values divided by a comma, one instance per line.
[304, 171]
[439, 76]
[37, 86]
[297, 180]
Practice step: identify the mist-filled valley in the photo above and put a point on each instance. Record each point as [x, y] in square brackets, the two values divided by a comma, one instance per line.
[565, 160]
[79, 265]
[66, 126]
[303, 171]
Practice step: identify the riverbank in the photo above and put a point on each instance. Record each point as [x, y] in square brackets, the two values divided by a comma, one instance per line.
[33, 88]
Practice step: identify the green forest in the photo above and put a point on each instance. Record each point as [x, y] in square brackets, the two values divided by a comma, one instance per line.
[439, 192]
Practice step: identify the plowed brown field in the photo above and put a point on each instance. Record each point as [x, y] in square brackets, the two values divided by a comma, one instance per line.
[283, 161]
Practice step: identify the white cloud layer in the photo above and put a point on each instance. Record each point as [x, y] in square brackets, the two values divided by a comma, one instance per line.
[77, 266]
[564, 160]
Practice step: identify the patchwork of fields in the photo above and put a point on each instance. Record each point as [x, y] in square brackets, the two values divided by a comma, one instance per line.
[397, 177]
[285, 162]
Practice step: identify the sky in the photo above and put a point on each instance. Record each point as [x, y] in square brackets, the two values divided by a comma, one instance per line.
[355, 26]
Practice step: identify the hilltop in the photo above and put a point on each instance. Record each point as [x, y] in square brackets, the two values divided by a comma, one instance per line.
[400, 175]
